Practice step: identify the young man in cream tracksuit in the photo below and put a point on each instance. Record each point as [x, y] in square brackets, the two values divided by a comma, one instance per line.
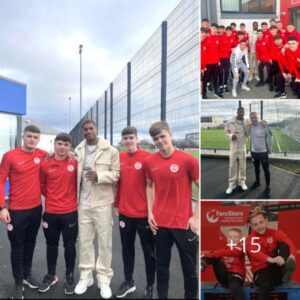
[237, 129]
[98, 172]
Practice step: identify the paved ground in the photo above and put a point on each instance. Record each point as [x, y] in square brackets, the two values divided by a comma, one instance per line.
[255, 93]
[57, 292]
[214, 174]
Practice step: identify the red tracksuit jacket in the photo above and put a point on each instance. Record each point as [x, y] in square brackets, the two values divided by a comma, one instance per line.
[213, 49]
[226, 44]
[268, 244]
[263, 50]
[234, 259]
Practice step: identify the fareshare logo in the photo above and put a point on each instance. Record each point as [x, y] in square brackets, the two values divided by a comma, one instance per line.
[212, 216]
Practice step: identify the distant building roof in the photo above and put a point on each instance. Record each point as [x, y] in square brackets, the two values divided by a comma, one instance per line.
[45, 129]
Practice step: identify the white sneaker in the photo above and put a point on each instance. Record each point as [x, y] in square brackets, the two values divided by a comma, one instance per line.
[246, 88]
[83, 284]
[105, 291]
[234, 94]
[250, 78]
[243, 186]
[230, 189]
[257, 78]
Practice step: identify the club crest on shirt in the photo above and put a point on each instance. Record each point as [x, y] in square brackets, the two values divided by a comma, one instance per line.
[70, 168]
[138, 165]
[45, 225]
[37, 160]
[270, 240]
[10, 227]
[174, 168]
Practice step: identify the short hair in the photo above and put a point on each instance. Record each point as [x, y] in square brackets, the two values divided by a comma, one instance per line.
[253, 112]
[222, 26]
[242, 24]
[278, 21]
[241, 33]
[264, 23]
[278, 37]
[290, 24]
[255, 22]
[129, 130]
[257, 211]
[214, 25]
[157, 127]
[259, 30]
[236, 230]
[205, 20]
[243, 42]
[273, 27]
[65, 137]
[88, 121]
[292, 38]
[240, 107]
[233, 24]
[205, 30]
[272, 20]
[32, 128]
[228, 28]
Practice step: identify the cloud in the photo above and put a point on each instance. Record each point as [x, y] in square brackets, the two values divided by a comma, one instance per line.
[40, 42]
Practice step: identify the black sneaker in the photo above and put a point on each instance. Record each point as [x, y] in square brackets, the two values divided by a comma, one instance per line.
[226, 90]
[31, 282]
[267, 192]
[255, 185]
[69, 284]
[149, 292]
[259, 84]
[126, 287]
[204, 97]
[48, 281]
[288, 269]
[218, 95]
[280, 96]
[18, 292]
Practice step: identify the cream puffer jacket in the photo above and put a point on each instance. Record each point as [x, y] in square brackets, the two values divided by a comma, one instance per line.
[107, 166]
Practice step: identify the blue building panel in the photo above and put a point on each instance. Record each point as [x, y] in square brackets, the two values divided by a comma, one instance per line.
[12, 97]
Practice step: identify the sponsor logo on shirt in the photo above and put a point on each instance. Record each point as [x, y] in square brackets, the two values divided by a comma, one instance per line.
[174, 168]
[270, 240]
[21, 163]
[70, 168]
[138, 165]
[37, 160]
[51, 170]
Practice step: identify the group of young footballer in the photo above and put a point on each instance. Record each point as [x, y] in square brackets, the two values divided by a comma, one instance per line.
[234, 54]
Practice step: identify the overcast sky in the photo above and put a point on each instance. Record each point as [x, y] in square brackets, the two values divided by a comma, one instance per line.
[40, 42]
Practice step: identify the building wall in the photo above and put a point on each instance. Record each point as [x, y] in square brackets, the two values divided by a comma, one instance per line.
[214, 13]
[12, 107]
[175, 55]
[285, 10]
